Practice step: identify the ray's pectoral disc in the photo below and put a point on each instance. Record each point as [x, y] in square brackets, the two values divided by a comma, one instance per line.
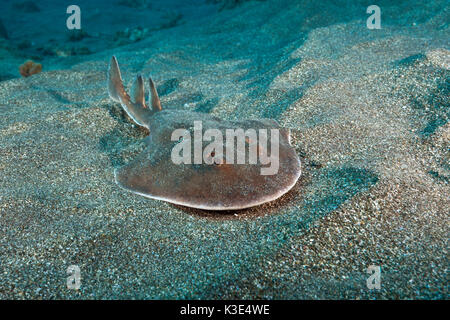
[200, 174]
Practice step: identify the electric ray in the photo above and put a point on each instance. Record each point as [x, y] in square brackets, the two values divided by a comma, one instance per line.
[211, 183]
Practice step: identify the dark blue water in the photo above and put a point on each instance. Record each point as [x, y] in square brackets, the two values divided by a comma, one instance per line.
[38, 30]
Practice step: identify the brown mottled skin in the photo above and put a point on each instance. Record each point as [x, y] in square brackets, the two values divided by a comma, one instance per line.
[204, 186]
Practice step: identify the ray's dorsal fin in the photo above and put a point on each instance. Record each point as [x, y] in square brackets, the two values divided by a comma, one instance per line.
[136, 110]
[156, 104]
[138, 91]
[115, 85]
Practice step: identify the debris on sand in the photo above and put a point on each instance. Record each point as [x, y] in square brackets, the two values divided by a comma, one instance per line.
[29, 68]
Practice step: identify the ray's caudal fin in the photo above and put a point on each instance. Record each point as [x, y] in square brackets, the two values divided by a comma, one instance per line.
[136, 109]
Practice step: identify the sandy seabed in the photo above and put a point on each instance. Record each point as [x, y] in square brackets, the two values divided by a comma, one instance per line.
[368, 110]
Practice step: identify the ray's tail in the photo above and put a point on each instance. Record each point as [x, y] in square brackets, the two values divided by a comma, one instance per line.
[136, 108]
